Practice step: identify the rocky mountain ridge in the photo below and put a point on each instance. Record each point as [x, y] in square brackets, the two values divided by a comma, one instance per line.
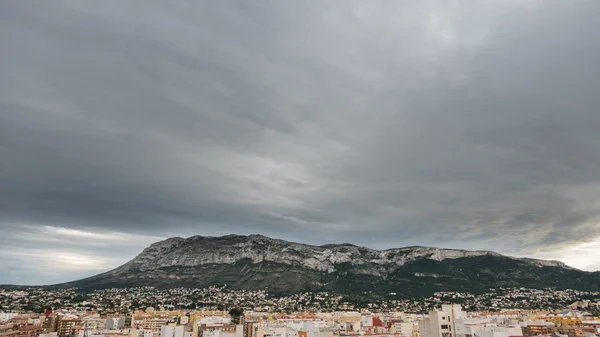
[259, 262]
[232, 248]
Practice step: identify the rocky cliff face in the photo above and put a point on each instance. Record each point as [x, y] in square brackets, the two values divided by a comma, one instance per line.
[200, 250]
[258, 262]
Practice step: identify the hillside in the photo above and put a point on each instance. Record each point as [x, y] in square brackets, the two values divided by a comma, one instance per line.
[258, 262]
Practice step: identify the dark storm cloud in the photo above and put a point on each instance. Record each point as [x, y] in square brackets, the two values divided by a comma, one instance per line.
[378, 123]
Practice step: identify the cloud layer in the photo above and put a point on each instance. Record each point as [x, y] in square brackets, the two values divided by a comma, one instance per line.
[379, 123]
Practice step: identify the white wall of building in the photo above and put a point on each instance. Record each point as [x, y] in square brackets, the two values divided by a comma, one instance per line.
[5, 316]
[115, 323]
[141, 333]
[174, 331]
[405, 328]
[239, 332]
[214, 321]
[442, 323]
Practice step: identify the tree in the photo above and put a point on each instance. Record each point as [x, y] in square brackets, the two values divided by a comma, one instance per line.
[235, 314]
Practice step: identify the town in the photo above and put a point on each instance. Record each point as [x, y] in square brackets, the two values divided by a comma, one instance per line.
[223, 312]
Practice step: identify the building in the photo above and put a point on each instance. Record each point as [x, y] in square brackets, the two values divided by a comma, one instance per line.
[51, 323]
[406, 329]
[238, 331]
[211, 323]
[24, 320]
[30, 331]
[154, 320]
[248, 327]
[534, 330]
[221, 330]
[141, 333]
[494, 331]
[579, 331]
[94, 323]
[115, 323]
[6, 316]
[441, 323]
[66, 327]
[150, 323]
[175, 331]
[51, 334]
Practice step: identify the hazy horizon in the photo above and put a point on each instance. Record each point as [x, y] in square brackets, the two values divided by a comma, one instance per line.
[80, 276]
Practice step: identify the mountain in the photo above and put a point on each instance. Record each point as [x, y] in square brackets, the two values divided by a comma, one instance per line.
[259, 262]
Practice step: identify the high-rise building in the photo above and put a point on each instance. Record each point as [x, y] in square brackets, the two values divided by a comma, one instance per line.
[115, 323]
[66, 327]
[51, 323]
[441, 323]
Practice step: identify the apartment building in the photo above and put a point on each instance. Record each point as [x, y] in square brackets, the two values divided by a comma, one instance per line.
[175, 331]
[66, 327]
[441, 323]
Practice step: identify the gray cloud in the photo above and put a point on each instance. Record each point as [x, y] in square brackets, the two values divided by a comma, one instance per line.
[379, 123]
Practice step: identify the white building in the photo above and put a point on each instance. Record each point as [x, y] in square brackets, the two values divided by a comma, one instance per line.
[94, 323]
[6, 316]
[366, 320]
[289, 328]
[105, 333]
[441, 323]
[499, 332]
[115, 323]
[346, 327]
[214, 321]
[141, 333]
[487, 327]
[405, 329]
[174, 331]
[239, 332]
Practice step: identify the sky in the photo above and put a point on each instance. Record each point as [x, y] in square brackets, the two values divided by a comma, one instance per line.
[456, 124]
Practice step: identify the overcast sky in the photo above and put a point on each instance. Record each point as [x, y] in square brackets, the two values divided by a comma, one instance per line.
[458, 124]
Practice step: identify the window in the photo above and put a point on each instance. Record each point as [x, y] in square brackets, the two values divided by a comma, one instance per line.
[445, 327]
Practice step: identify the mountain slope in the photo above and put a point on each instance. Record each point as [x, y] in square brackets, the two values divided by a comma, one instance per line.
[258, 262]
